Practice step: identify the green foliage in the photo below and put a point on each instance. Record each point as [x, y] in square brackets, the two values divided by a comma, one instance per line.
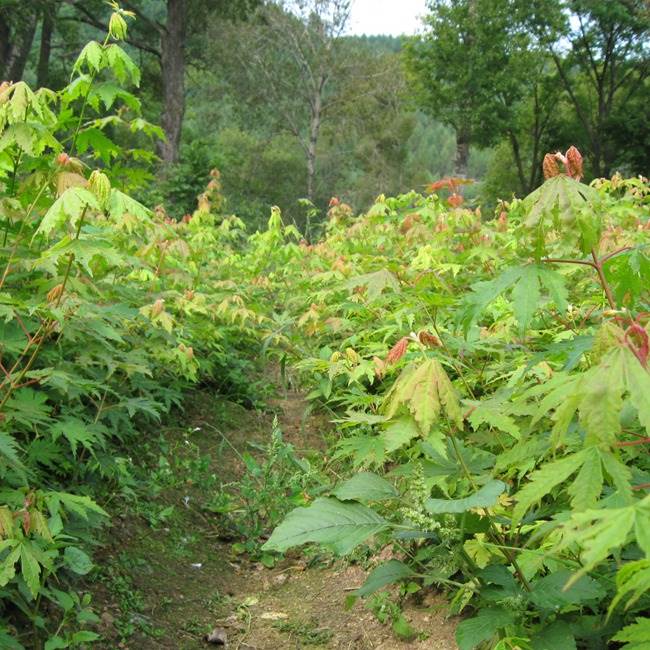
[507, 399]
[109, 312]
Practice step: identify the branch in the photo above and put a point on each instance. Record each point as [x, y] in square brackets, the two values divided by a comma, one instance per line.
[554, 260]
[94, 22]
[161, 29]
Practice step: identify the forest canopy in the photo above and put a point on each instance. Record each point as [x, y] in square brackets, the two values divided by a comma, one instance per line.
[288, 106]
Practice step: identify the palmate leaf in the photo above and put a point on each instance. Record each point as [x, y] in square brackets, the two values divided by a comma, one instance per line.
[9, 450]
[399, 432]
[486, 497]
[635, 636]
[597, 396]
[493, 413]
[68, 207]
[592, 464]
[122, 65]
[526, 283]
[30, 568]
[328, 521]
[375, 283]
[424, 389]
[566, 206]
[632, 581]
[629, 276]
[77, 432]
[120, 204]
[91, 57]
[600, 532]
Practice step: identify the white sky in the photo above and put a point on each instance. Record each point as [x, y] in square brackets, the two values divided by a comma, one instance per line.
[393, 17]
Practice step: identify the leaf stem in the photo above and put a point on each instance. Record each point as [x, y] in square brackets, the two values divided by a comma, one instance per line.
[598, 265]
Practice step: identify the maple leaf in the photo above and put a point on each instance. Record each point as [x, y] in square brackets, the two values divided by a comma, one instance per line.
[375, 283]
[425, 391]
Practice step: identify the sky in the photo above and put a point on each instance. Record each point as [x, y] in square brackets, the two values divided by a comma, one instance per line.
[393, 17]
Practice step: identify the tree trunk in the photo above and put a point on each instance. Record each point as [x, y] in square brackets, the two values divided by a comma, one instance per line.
[519, 163]
[461, 163]
[173, 78]
[15, 49]
[43, 69]
[314, 131]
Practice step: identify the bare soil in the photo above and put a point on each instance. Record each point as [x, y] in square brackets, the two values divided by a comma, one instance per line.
[168, 586]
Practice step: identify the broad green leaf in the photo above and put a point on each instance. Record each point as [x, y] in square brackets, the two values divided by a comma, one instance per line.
[385, 574]
[8, 564]
[122, 65]
[77, 561]
[526, 296]
[632, 581]
[635, 636]
[483, 293]
[600, 532]
[543, 480]
[399, 432]
[601, 400]
[588, 485]
[341, 526]
[92, 57]
[560, 204]
[121, 204]
[375, 283]
[486, 497]
[80, 505]
[365, 486]
[67, 208]
[9, 450]
[556, 636]
[471, 632]
[424, 389]
[493, 413]
[637, 380]
[30, 569]
[551, 592]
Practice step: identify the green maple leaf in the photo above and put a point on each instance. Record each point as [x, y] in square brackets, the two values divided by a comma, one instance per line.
[599, 532]
[375, 283]
[425, 391]
[91, 57]
[68, 207]
[591, 466]
[525, 283]
[635, 636]
[565, 206]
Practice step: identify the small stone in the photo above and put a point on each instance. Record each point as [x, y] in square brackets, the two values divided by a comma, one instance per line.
[218, 636]
[280, 579]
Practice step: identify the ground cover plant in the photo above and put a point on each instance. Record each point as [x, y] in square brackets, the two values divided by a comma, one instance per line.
[487, 375]
[109, 310]
[490, 380]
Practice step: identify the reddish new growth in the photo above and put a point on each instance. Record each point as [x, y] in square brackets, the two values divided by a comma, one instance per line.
[452, 184]
[637, 340]
[572, 161]
[398, 350]
[62, 159]
[428, 339]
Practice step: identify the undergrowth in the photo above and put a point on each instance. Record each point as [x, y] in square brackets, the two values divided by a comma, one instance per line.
[488, 377]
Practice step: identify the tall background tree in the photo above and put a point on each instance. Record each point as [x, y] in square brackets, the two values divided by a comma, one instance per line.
[531, 76]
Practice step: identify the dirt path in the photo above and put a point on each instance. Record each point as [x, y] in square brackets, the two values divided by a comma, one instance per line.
[167, 576]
